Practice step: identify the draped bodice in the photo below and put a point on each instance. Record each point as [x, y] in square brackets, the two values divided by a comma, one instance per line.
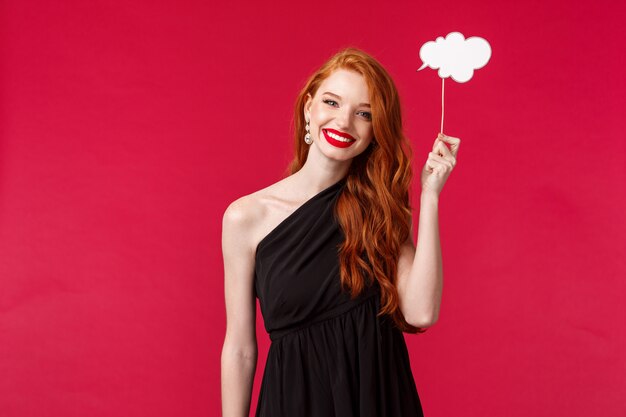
[297, 268]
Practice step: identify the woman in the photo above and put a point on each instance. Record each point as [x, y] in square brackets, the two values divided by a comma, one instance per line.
[328, 251]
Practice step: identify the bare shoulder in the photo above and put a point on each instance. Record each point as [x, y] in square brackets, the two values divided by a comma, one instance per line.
[240, 214]
[239, 217]
[252, 216]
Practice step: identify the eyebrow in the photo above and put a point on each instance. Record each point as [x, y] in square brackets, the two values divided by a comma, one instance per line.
[335, 95]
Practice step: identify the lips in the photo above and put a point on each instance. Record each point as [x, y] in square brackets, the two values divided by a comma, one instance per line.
[336, 142]
[338, 133]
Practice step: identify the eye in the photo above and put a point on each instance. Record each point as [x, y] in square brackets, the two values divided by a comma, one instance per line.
[367, 115]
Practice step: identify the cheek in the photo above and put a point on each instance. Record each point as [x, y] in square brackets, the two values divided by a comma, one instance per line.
[367, 132]
[321, 115]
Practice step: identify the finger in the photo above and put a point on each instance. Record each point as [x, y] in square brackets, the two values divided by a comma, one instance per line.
[454, 142]
[434, 166]
[442, 150]
[440, 160]
[436, 143]
[450, 138]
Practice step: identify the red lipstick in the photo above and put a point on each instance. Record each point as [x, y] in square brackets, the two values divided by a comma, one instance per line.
[336, 142]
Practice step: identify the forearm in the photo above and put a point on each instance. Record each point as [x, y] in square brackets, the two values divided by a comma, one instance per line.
[425, 282]
[237, 372]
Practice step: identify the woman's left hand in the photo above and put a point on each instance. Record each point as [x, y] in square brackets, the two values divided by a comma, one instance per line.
[441, 161]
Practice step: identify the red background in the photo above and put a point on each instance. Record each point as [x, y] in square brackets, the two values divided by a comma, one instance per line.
[127, 127]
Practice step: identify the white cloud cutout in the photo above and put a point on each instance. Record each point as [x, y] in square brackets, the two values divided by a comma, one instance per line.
[455, 56]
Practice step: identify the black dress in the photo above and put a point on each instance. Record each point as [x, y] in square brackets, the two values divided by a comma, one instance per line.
[329, 356]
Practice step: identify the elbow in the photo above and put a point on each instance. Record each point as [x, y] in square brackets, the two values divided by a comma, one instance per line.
[423, 317]
[424, 321]
[245, 353]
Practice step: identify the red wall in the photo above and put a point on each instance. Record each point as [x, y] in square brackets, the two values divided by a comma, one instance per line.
[127, 127]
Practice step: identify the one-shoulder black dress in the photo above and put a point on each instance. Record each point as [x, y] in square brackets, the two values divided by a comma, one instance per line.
[329, 356]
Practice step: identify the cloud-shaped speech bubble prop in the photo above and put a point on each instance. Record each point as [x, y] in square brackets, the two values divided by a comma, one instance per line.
[455, 56]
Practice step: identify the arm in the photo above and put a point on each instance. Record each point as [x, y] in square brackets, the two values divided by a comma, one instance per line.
[239, 353]
[420, 271]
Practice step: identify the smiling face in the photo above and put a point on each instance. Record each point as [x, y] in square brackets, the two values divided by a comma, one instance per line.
[340, 116]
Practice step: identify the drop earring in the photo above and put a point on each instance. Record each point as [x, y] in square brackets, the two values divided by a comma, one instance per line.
[307, 137]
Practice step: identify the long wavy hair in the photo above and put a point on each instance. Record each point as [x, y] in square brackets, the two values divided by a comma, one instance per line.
[374, 210]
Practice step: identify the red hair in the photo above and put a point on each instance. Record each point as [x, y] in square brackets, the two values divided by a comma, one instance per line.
[374, 209]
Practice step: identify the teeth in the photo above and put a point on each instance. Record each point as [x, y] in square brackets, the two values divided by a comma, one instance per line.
[337, 137]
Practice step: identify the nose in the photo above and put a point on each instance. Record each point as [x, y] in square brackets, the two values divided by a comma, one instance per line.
[344, 118]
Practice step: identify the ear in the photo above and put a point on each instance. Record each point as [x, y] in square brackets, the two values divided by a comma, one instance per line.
[307, 106]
